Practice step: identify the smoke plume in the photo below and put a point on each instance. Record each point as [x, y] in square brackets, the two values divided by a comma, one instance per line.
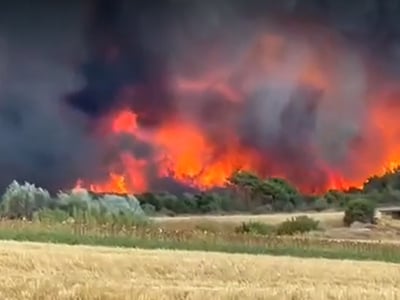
[293, 84]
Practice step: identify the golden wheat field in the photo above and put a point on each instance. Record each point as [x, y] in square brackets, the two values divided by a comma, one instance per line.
[47, 271]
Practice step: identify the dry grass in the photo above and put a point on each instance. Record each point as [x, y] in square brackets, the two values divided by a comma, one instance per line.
[45, 271]
[268, 218]
[331, 222]
[327, 219]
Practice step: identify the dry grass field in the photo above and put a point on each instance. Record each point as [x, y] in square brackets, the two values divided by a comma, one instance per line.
[327, 219]
[269, 218]
[47, 271]
[331, 221]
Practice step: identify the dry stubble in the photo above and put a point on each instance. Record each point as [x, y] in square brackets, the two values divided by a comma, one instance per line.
[46, 271]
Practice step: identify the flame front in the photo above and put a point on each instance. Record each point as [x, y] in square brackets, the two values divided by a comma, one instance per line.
[204, 155]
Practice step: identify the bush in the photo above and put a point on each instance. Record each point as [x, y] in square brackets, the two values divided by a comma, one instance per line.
[337, 198]
[52, 216]
[117, 204]
[78, 200]
[283, 206]
[81, 200]
[21, 201]
[172, 203]
[152, 199]
[208, 202]
[284, 197]
[361, 210]
[148, 209]
[200, 203]
[300, 224]
[387, 195]
[320, 204]
[255, 228]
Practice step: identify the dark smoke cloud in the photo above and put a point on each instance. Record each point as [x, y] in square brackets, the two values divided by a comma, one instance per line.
[125, 52]
[41, 141]
[133, 43]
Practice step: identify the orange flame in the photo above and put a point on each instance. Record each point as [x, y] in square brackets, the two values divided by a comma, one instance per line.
[185, 152]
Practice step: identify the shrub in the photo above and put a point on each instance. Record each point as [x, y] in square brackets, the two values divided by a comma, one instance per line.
[337, 198]
[255, 228]
[52, 216]
[21, 201]
[361, 210]
[320, 204]
[388, 195]
[167, 212]
[300, 224]
[208, 202]
[152, 199]
[82, 200]
[283, 206]
[128, 219]
[148, 209]
[173, 203]
[118, 204]
[118, 210]
[77, 200]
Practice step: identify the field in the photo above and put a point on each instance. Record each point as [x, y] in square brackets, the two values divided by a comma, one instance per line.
[328, 219]
[86, 260]
[219, 234]
[47, 271]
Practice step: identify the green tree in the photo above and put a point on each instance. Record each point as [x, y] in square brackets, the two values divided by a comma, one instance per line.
[360, 210]
[282, 195]
[246, 185]
[273, 191]
[337, 198]
[21, 201]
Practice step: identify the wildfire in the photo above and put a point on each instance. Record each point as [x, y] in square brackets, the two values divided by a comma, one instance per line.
[185, 151]
[125, 122]
[116, 183]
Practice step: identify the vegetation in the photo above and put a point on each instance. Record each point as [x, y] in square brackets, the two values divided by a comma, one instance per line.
[245, 192]
[153, 236]
[30, 213]
[21, 201]
[295, 225]
[255, 228]
[359, 210]
[29, 202]
[80, 217]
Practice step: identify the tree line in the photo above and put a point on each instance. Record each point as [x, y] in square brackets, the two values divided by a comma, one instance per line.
[245, 192]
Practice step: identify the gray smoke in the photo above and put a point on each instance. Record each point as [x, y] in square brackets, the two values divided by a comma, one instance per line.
[42, 141]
